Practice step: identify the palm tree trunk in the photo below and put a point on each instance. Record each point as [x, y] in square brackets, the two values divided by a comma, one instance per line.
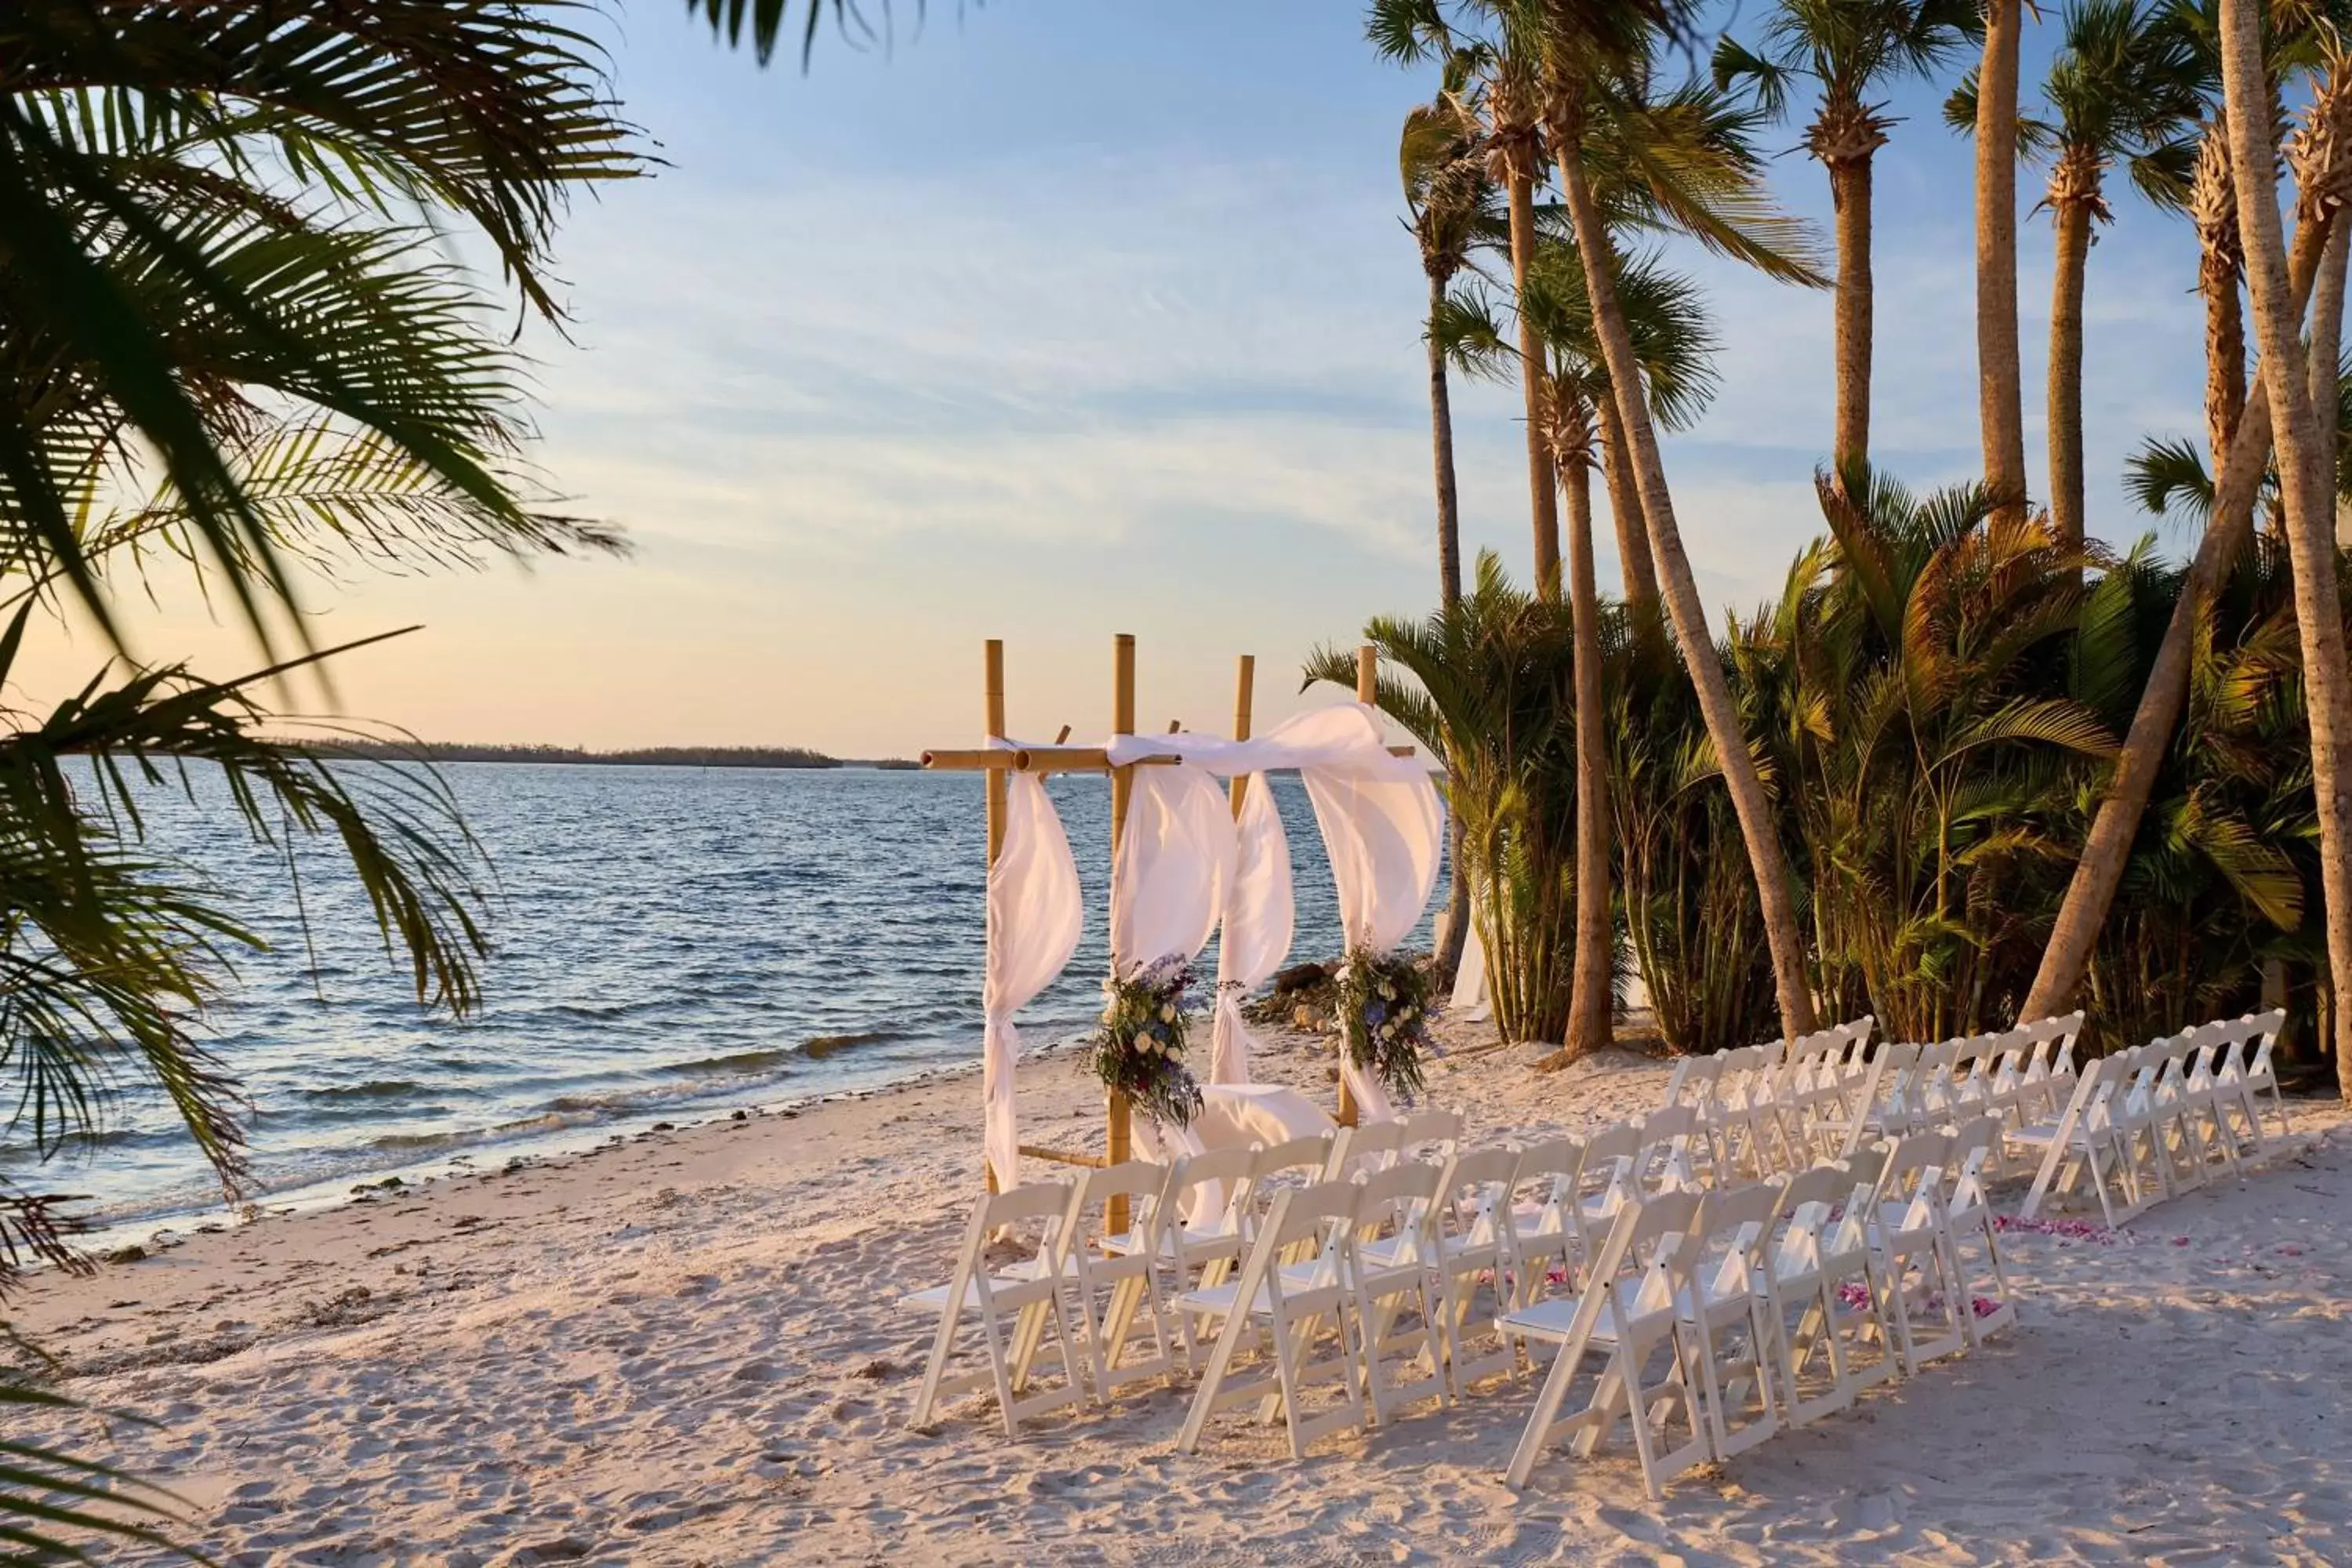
[1441, 441]
[1591, 995]
[1850, 193]
[2310, 507]
[2070, 221]
[1680, 589]
[2327, 352]
[2091, 893]
[1541, 483]
[1633, 560]
[1449, 590]
[2000, 400]
[2213, 205]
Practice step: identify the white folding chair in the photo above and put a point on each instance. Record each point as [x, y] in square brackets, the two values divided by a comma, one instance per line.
[1799, 1277]
[1119, 1286]
[1859, 1318]
[1306, 1316]
[1968, 1215]
[1016, 1306]
[1471, 1227]
[2248, 1067]
[1543, 1231]
[1626, 1314]
[1204, 1229]
[1728, 1313]
[1911, 1243]
[1673, 1150]
[1604, 1184]
[1400, 1305]
[2081, 1142]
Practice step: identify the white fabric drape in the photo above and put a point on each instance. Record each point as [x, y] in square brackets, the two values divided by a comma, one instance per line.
[1175, 861]
[1382, 831]
[1380, 815]
[1259, 916]
[1470, 1000]
[1035, 916]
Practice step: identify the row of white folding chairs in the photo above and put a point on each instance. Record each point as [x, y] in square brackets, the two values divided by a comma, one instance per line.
[1718, 1318]
[2150, 1122]
[1775, 1106]
[2021, 1076]
[1345, 1276]
[1086, 1294]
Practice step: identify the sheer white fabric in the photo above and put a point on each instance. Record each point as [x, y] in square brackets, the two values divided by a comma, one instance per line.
[1035, 916]
[1470, 1000]
[1175, 860]
[1259, 916]
[1380, 815]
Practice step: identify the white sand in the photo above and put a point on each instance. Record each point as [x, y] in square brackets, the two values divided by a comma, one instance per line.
[685, 1350]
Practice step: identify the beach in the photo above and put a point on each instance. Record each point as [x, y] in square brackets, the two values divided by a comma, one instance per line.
[686, 1348]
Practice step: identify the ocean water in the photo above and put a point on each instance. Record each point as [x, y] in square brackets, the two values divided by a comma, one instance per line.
[668, 940]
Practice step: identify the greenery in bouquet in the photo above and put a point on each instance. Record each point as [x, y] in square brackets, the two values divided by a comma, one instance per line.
[1383, 1011]
[1139, 1048]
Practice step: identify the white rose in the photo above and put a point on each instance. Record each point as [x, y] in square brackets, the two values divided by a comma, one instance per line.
[1168, 1013]
[1175, 1053]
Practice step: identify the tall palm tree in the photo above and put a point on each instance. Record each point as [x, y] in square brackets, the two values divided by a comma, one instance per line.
[2125, 88]
[1515, 152]
[1852, 49]
[2001, 395]
[2310, 507]
[1442, 157]
[1675, 348]
[1597, 60]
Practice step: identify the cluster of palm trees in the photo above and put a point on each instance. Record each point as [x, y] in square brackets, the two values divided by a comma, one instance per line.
[1919, 781]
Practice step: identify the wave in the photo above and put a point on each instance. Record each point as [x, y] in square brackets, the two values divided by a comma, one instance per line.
[738, 1062]
[378, 1089]
[819, 1046]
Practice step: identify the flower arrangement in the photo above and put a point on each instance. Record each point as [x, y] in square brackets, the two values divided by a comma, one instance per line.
[1383, 1016]
[1139, 1048]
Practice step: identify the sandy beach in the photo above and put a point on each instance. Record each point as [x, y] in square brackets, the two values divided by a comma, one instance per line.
[684, 1349]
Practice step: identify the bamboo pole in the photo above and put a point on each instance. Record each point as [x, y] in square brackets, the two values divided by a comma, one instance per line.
[999, 787]
[1245, 690]
[1368, 671]
[1117, 1115]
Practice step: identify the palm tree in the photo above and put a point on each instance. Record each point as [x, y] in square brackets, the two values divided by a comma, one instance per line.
[1597, 60]
[1442, 158]
[1852, 48]
[2310, 508]
[1676, 349]
[247, 373]
[2000, 396]
[2124, 88]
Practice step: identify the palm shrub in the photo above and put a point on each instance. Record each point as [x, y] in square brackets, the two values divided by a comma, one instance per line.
[1687, 901]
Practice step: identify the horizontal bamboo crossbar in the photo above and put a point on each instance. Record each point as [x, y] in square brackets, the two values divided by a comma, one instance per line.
[1063, 1157]
[1053, 760]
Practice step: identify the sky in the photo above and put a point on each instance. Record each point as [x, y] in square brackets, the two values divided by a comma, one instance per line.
[1064, 319]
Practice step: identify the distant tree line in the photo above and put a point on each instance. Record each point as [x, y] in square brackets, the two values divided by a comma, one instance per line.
[639, 756]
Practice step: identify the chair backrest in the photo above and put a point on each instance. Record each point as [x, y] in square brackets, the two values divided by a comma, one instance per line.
[1432, 1134]
[1656, 1268]
[1034, 1216]
[1693, 1081]
[1406, 1193]
[1475, 1191]
[1321, 1213]
[1209, 1191]
[1143, 1184]
[2262, 1032]
[1609, 1160]
[1974, 1143]
[1281, 1167]
[1367, 1147]
[1552, 1165]
[1913, 1174]
[1732, 1236]
[1664, 1156]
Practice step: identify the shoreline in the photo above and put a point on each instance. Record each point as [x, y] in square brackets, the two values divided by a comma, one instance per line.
[685, 1347]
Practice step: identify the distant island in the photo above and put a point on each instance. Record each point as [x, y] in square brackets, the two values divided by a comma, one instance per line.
[639, 756]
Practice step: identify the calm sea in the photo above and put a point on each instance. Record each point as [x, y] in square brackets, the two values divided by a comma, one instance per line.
[668, 940]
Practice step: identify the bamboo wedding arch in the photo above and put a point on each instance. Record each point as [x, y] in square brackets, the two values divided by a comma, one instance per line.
[1000, 760]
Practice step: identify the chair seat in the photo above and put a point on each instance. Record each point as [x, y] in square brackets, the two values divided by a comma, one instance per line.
[1552, 1318]
[932, 1300]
